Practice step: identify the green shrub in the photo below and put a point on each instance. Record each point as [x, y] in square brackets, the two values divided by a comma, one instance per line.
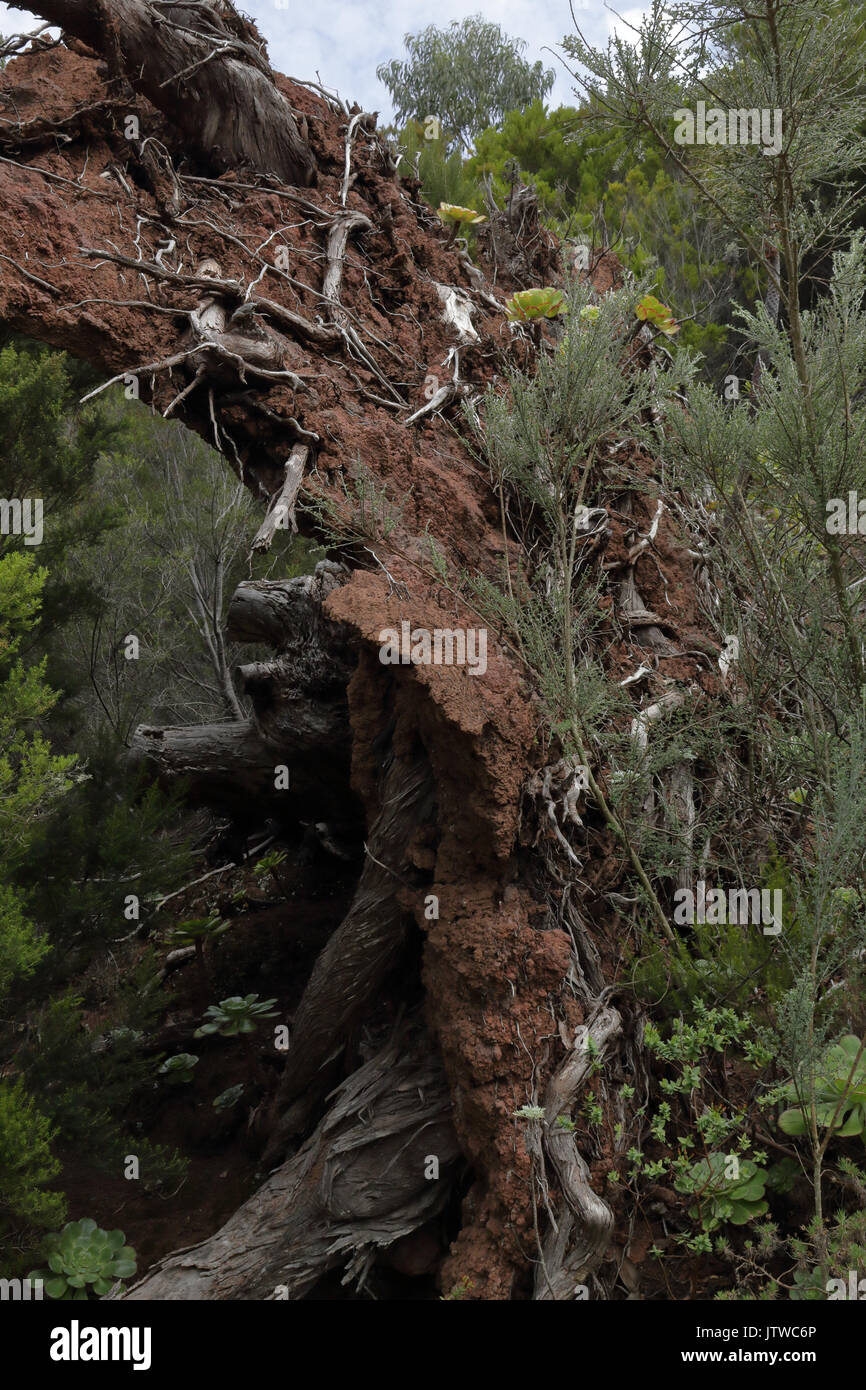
[26, 1161]
[195, 930]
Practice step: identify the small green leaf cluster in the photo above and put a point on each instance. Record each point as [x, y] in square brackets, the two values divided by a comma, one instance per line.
[228, 1098]
[526, 305]
[197, 929]
[82, 1256]
[840, 1093]
[725, 1188]
[177, 1070]
[235, 1015]
[270, 861]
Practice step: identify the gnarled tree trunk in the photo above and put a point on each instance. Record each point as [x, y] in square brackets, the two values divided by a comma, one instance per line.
[282, 292]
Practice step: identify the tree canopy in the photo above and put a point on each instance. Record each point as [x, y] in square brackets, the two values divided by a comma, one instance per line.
[467, 76]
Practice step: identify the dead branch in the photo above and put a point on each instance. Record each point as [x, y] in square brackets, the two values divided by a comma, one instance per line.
[441, 398]
[281, 513]
[357, 119]
[319, 333]
[229, 288]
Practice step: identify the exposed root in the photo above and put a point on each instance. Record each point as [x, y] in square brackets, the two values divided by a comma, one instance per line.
[362, 1181]
[341, 229]
[281, 515]
[559, 787]
[580, 1234]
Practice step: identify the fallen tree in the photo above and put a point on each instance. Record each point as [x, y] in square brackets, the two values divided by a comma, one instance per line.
[283, 289]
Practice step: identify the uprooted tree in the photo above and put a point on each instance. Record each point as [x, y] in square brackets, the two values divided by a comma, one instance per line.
[237, 248]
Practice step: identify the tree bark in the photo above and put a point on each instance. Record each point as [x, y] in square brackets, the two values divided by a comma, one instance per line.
[280, 611]
[205, 71]
[351, 968]
[232, 767]
[221, 763]
[362, 1181]
[301, 717]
